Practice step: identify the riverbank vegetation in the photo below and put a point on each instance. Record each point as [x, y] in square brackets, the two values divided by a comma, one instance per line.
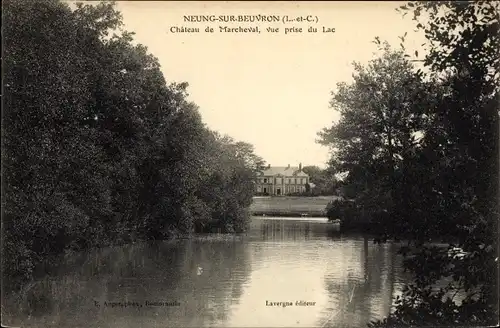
[419, 147]
[97, 148]
[324, 182]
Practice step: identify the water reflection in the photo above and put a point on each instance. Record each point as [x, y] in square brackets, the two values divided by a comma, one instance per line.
[292, 229]
[165, 272]
[220, 281]
[365, 291]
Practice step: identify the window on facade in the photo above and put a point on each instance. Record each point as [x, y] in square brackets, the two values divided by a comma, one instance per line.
[265, 180]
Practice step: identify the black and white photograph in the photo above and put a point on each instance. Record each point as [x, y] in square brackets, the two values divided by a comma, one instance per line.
[184, 164]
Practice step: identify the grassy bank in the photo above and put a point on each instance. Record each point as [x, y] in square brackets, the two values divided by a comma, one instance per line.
[290, 206]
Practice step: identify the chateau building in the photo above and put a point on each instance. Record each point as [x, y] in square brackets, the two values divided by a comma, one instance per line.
[281, 180]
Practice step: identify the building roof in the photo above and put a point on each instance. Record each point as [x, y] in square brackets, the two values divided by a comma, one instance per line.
[284, 170]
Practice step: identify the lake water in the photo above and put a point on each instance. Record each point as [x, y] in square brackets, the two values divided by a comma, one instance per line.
[221, 281]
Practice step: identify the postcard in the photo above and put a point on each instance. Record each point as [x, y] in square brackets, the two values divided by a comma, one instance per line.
[250, 164]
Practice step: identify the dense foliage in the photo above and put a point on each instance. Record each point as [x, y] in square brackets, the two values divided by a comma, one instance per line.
[421, 152]
[323, 183]
[97, 147]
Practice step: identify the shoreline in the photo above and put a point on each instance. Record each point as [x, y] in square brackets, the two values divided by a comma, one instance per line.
[290, 206]
[289, 214]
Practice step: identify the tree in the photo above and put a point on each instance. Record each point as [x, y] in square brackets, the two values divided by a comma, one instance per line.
[421, 152]
[461, 145]
[246, 153]
[52, 157]
[375, 141]
[97, 148]
[324, 181]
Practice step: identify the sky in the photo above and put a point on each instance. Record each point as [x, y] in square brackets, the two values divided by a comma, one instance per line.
[269, 89]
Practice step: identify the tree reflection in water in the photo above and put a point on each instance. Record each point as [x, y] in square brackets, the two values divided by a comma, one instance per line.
[163, 271]
[294, 228]
[219, 281]
[364, 290]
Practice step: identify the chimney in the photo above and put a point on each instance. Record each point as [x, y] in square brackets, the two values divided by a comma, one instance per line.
[300, 167]
[268, 166]
[288, 166]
